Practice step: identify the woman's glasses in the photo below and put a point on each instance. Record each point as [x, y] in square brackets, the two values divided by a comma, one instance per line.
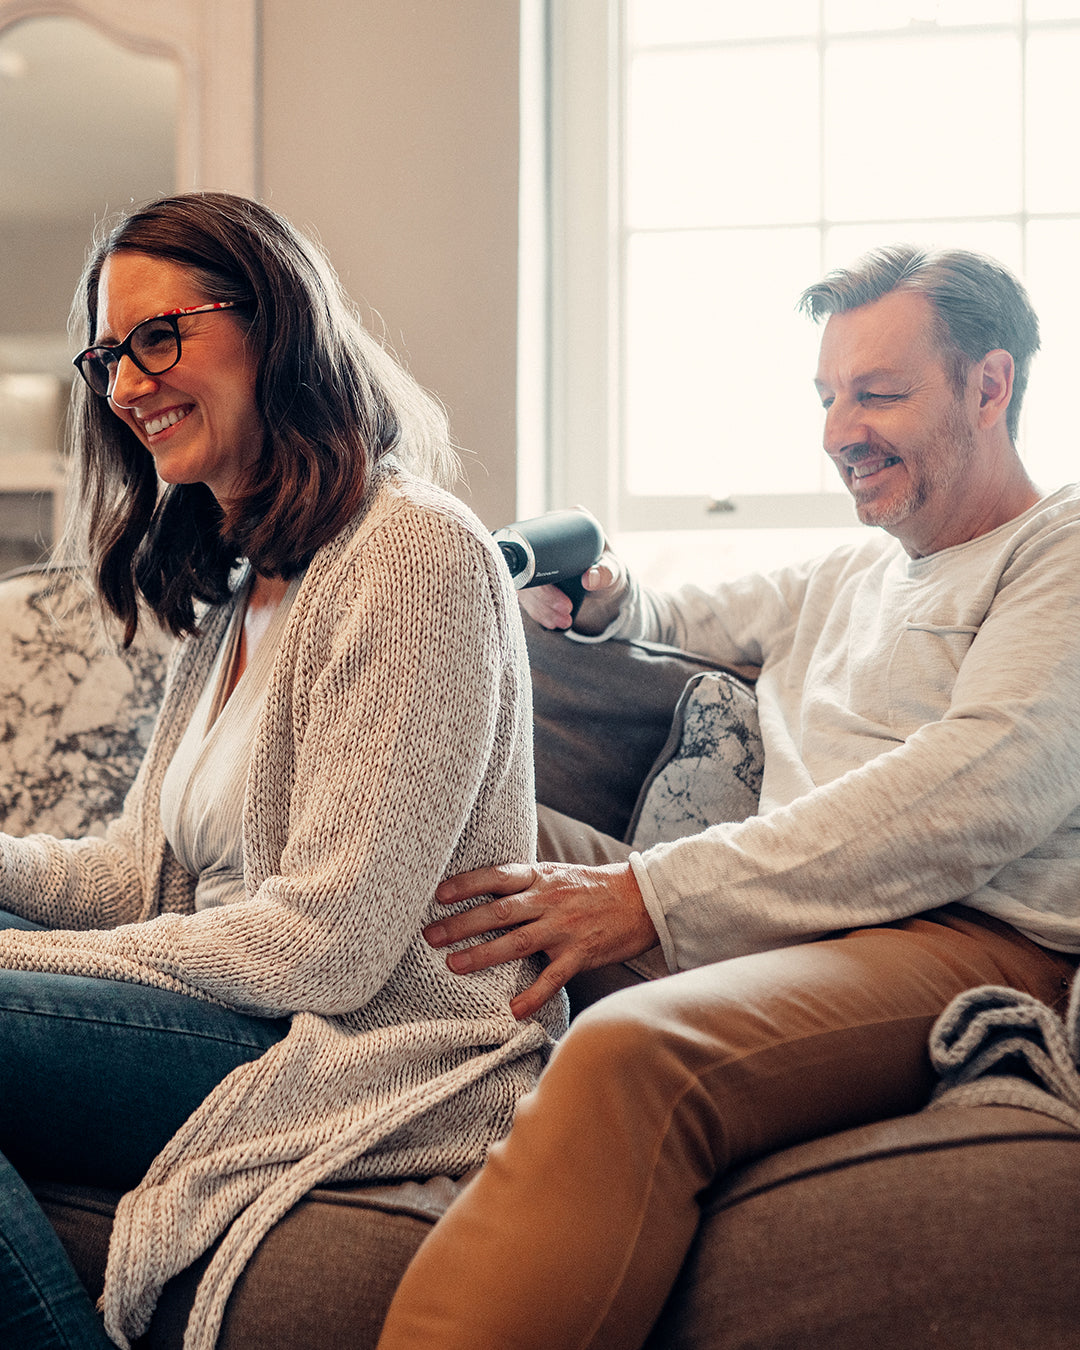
[153, 345]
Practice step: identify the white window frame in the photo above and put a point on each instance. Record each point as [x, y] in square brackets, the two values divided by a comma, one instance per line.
[586, 252]
[582, 314]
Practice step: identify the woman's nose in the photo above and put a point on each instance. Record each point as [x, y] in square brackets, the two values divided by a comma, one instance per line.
[129, 383]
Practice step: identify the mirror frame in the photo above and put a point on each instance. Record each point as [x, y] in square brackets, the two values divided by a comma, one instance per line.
[215, 47]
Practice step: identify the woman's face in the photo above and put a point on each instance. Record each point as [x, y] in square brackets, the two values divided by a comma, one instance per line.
[198, 420]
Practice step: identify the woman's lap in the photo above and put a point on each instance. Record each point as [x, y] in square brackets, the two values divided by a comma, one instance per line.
[96, 1075]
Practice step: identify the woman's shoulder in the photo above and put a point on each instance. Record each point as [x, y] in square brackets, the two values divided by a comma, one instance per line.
[409, 528]
[405, 513]
[399, 491]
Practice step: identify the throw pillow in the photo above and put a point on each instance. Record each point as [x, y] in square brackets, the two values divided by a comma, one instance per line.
[75, 714]
[710, 769]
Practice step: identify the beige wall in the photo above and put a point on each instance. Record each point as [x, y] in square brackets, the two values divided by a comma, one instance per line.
[38, 271]
[390, 128]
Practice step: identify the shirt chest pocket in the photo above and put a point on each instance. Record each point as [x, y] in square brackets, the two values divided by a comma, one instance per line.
[922, 671]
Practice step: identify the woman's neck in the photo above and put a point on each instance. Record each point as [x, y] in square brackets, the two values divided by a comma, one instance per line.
[264, 596]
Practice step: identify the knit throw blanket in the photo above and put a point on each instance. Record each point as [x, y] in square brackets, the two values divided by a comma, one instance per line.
[1000, 1047]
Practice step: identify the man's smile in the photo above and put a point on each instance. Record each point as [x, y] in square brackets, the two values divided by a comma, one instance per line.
[861, 462]
[866, 468]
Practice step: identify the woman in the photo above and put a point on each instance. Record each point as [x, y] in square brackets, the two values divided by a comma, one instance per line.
[227, 1000]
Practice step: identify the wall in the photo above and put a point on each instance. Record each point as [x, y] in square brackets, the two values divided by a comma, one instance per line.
[390, 129]
[41, 264]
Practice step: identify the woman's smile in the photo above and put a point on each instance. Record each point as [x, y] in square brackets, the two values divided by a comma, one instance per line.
[159, 422]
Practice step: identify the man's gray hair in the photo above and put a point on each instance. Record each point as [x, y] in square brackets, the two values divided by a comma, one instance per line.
[980, 306]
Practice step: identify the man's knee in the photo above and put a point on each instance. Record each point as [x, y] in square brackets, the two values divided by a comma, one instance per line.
[655, 1029]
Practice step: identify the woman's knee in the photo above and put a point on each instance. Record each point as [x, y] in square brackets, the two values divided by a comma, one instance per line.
[96, 1075]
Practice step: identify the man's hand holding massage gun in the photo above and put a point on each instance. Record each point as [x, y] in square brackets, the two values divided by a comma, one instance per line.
[579, 917]
[564, 569]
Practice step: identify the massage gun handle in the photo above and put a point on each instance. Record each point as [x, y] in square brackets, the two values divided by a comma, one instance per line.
[576, 591]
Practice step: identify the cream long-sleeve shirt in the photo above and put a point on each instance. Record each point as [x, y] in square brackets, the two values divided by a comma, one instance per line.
[393, 750]
[921, 728]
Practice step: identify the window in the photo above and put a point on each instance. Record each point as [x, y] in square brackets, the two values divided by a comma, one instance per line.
[708, 161]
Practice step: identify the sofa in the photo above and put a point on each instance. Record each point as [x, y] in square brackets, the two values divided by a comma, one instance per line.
[948, 1228]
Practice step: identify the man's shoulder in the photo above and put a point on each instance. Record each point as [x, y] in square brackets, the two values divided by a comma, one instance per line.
[1062, 505]
[1055, 516]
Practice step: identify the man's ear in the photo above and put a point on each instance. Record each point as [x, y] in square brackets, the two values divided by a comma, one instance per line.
[995, 386]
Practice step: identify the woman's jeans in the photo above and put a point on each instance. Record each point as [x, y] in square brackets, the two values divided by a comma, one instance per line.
[95, 1077]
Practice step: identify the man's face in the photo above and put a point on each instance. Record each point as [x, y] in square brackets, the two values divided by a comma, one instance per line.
[902, 440]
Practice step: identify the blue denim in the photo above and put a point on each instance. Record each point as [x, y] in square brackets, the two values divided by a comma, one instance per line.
[95, 1077]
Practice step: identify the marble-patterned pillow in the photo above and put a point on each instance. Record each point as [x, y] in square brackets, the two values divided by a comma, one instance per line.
[75, 714]
[710, 769]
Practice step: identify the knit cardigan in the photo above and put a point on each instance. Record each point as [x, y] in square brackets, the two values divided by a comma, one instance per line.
[394, 749]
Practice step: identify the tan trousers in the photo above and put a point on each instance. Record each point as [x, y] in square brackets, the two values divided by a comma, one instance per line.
[575, 1229]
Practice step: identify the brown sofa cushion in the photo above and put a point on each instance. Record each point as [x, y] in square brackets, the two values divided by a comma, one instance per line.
[952, 1229]
[323, 1276]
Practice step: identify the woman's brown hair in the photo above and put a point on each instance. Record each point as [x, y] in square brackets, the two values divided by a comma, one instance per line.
[332, 403]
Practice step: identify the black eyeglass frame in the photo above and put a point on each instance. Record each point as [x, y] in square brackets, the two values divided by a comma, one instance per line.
[110, 355]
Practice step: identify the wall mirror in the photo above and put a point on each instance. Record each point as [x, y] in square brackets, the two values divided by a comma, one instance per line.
[101, 105]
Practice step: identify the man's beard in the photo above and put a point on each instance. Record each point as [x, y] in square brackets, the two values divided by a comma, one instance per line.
[939, 473]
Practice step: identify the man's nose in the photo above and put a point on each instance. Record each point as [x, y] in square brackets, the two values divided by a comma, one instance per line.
[844, 426]
[130, 383]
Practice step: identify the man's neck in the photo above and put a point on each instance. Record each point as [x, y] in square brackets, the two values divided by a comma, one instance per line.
[1012, 495]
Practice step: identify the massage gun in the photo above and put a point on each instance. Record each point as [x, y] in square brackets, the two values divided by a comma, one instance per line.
[557, 549]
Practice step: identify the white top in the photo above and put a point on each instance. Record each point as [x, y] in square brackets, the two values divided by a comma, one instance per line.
[202, 793]
[921, 727]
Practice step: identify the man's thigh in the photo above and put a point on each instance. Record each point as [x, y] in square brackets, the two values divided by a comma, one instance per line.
[562, 839]
[96, 1075]
[809, 1039]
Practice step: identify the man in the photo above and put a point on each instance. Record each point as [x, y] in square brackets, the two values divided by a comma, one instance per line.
[918, 835]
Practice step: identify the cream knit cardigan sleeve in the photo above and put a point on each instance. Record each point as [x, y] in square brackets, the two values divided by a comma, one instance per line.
[394, 749]
[381, 722]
